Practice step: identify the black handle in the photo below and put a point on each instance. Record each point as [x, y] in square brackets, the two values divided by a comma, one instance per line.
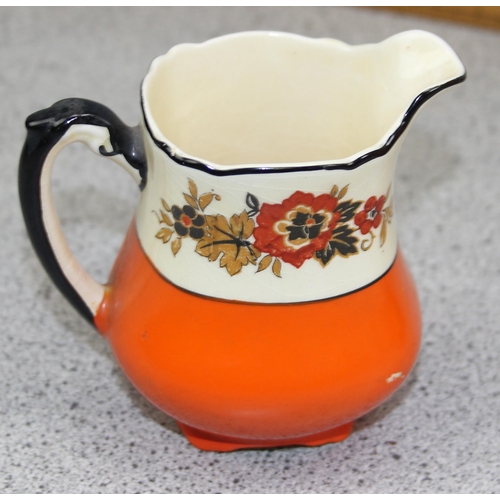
[45, 129]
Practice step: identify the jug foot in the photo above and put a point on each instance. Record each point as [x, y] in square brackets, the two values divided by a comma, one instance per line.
[215, 442]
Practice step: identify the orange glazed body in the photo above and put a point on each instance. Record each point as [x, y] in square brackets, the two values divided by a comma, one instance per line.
[237, 375]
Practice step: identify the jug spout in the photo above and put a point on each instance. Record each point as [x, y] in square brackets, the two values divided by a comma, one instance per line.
[418, 65]
[399, 75]
[421, 60]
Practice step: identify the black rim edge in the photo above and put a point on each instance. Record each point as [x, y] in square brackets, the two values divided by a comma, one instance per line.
[416, 104]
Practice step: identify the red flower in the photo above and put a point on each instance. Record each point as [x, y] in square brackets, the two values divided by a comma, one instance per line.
[371, 216]
[296, 228]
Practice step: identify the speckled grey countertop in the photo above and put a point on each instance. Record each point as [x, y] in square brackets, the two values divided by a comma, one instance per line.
[71, 422]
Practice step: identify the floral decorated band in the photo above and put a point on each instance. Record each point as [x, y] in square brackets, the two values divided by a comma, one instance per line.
[274, 238]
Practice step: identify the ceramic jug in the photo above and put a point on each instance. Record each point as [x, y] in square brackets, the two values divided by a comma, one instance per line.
[260, 297]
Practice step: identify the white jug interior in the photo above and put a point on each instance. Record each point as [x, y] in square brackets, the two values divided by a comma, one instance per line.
[264, 98]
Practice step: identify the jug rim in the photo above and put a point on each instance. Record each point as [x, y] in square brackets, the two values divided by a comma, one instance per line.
[379, 149]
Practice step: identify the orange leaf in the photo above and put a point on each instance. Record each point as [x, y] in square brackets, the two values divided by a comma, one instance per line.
[164, 234]
[389, 211]
[191, 200]
[176, 245]
[277, 268]
[165, 205]
[165, 218]
[193, 189]
[205, 200]
[264, 263]
[223, 238]
[156, 213]
[383, 232]
[343, 192]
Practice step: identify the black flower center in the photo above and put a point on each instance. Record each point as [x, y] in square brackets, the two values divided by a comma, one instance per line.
[305, 225]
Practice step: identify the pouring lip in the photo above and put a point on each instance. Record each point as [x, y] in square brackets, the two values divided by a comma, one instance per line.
[350, 163]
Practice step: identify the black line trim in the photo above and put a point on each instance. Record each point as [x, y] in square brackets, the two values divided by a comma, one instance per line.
[421, 99]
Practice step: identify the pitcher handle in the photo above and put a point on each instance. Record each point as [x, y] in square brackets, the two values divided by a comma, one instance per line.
[49, 131]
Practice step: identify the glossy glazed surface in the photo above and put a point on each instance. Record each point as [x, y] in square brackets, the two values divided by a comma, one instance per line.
[259, 372]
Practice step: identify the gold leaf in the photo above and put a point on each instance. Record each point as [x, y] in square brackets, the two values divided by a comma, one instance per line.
[388, 192]
[165, 205]
[232, 265]
[191, 200]
[334, 191]
[383, 232]
[156, 213]
[193, 189]
[343, 192]
[224, 238]
[217, 197]
[389, 211]
[205, 200]
[277, 268]
[264, 263]
[367, 243]
[164, 234]
[176, 245]
[241, 225]
[165, 218]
